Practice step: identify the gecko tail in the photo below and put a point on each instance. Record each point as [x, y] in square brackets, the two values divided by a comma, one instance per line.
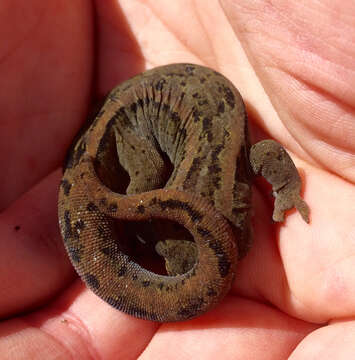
[137, 291]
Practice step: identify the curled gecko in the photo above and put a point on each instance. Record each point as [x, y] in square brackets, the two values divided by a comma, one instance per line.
[167, 164]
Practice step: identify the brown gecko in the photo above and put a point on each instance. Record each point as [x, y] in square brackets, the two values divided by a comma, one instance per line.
[170, 146]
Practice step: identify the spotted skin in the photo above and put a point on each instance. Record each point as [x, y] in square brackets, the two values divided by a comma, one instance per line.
[194, 119]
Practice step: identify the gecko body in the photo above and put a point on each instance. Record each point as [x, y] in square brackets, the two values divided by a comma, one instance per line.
[170, 146]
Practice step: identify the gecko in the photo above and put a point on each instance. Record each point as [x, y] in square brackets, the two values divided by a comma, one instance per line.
[167, 164]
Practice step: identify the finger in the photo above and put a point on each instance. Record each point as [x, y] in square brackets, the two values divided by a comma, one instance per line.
[45, 72]
[319, 263]
[79, 325]
[305, 270]
[238, 329]
[335, 341]
[33, 263]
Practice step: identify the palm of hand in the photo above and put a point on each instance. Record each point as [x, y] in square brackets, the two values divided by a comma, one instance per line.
[296, 279]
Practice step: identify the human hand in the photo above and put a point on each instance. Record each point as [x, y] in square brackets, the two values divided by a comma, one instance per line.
[294, 294]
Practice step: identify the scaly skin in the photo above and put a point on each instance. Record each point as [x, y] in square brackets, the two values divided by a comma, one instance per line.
[197, 118]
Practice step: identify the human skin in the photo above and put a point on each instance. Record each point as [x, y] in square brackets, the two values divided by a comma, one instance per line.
[293, 62]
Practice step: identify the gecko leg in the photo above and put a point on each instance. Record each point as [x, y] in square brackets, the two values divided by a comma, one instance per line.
[269, 159]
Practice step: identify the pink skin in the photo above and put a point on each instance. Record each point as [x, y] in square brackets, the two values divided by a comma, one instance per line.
[294, 63]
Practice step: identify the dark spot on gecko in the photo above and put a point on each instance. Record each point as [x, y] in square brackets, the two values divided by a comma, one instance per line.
[194, 170]
[91, 207]
[145, 283]
[103, 202]
[211, 292]
[74, 254]
[92, 281]
[107, 251]
[206, 127]
[214, 169]
[140, 102]
[160, 84]
[66, 186]
[67, 226]
[203, 232]
[216, 181]
[17, 227]
[202, 80]
[182, 133]
[216, 152]
[183, 83]
[143, 151]
[223, 262]
[196, 114]
[154, 201]
[192, 308]
[133, 107]
[224, 266]
[189, 69]
[202, 102]
[141, 209]
[220, 108]
[175, 117]
[79, 225]
[165, 107]
[122, 270]
[101, 230]
[147, 101]
[113, 207]
[229, 96]
[196, 95]
[176, 204]
[133, 147]
[206, 124]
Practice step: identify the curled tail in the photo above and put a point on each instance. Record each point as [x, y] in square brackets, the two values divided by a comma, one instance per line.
[124, 284]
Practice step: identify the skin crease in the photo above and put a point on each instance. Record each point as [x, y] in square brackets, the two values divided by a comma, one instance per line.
[302, 57]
